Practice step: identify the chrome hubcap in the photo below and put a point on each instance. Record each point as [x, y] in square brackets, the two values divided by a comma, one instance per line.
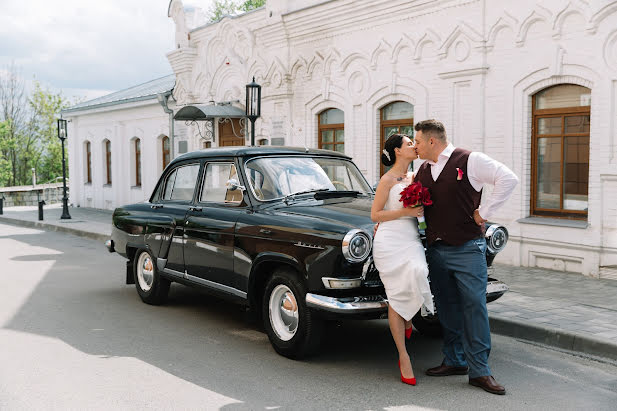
[145, 271]
[283, 312]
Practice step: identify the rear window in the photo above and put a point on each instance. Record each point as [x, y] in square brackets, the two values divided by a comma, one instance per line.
[180, 183]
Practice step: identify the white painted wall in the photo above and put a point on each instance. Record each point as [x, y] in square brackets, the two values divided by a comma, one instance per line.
[474, 64]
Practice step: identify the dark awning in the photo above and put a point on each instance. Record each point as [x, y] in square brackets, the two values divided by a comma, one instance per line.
[208, 112]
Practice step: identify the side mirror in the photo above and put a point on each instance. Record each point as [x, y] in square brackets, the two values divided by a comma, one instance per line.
[233, 185]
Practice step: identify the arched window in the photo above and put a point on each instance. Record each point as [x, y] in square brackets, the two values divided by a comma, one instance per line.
[88, 162]
[107, 145]
[396, 118]
[332, 130]
[166, 155]
[138, 162]
[560, 151]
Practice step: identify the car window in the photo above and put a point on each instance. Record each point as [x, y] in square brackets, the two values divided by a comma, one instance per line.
[180, 184]
[215, 187]
[275, 177]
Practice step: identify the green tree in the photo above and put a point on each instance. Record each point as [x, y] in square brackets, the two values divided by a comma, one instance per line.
[28, 131]
[249, 5]
[222, 8]
[45, 107]
[6, 145]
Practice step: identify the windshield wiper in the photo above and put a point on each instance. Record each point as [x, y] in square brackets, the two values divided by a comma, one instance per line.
[339, 193]
[293, 195]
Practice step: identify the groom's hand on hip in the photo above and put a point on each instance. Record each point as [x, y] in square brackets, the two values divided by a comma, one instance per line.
[477, 218]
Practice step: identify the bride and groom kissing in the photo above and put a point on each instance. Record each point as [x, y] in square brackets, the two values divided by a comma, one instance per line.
[455, 254]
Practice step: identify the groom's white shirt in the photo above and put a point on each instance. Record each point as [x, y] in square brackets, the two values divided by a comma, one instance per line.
[481, 169]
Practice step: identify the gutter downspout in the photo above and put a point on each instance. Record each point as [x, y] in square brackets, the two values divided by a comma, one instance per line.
[163, 98]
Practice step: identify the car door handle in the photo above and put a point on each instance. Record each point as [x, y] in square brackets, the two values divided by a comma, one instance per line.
[155, 206]
[195, 208]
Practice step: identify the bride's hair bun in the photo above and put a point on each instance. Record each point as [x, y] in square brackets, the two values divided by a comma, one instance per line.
[388, 157]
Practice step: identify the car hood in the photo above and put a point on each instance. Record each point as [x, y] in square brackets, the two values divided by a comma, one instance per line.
[346, 211]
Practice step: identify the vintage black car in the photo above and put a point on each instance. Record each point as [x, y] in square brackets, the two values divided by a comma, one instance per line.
[285, 231]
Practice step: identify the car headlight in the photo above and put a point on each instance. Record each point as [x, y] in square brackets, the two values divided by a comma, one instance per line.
[496, 238]
[356, 246]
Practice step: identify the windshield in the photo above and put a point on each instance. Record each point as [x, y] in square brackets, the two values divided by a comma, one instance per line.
[276, 177]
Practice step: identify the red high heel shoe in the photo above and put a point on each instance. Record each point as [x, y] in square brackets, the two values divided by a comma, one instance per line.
[410, 381]
[408, 332]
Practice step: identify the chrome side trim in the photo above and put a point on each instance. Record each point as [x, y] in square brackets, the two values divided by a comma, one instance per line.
[216, 286]
[172, 273]
[161, 263]
[347, 305]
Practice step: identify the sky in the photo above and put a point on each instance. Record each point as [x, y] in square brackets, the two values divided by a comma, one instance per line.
[86, 48]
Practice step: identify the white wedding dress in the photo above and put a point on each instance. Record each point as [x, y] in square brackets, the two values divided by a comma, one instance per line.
[399, 257]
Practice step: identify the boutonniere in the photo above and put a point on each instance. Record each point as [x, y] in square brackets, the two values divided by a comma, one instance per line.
[459, 177]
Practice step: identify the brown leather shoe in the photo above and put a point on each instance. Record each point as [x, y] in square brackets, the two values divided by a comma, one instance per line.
[444, 370]
[488, 384]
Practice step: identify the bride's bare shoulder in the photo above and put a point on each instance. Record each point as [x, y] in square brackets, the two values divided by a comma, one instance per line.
[387, 181]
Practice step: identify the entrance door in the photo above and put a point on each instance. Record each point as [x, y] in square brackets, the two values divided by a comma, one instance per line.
[229, 129]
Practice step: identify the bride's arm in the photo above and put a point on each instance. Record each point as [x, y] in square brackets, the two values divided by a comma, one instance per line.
[378, 214]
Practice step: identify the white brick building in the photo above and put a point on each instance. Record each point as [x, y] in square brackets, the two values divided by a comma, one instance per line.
[487, 69]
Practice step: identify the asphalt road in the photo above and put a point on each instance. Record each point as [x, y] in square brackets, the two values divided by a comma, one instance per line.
[74, 336]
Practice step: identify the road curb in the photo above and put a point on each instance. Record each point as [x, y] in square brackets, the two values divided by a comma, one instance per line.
[53, 227]
[555, 337]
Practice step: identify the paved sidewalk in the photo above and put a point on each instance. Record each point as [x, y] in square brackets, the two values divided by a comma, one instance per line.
[560, 309]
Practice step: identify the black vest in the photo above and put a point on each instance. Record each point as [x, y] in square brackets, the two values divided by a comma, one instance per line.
[450, 218]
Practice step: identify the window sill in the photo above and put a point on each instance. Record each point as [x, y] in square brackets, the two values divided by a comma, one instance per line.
[106, 185]
[135, 187]
[87, 184]
[559, 222]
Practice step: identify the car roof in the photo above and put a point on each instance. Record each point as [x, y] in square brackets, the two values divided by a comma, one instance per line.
[244, 151]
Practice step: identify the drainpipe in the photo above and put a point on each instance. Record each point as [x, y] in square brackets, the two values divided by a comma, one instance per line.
[163, 98]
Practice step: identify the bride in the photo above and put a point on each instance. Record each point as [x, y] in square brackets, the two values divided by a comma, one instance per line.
[397, 250]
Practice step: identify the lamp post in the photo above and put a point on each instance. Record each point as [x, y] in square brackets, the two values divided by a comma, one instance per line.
[253, 105]
[62, 136]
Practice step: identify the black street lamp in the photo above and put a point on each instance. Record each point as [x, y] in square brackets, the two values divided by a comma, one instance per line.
[253, 105]
[62, 135]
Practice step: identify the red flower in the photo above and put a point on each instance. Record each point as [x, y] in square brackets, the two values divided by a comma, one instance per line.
[415, 195]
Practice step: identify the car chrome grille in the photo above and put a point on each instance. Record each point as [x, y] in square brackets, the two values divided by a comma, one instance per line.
[370, 275]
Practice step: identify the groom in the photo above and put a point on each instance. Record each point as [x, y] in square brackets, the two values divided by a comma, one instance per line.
[456, 248]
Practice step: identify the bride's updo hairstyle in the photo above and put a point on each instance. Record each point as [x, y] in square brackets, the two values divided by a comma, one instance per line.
[388, 157]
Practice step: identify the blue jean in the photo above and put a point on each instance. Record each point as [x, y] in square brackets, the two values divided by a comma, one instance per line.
[458, 281]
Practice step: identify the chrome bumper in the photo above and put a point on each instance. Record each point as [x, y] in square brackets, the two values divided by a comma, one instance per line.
[347, 305]
[496, 286]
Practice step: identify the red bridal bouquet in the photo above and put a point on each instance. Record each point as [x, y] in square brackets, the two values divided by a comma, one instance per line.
[415, 195]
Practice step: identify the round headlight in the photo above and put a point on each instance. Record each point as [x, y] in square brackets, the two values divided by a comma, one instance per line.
[496, 238]
[356, 246]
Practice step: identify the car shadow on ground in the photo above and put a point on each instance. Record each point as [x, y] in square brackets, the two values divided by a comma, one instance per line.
[213, 343]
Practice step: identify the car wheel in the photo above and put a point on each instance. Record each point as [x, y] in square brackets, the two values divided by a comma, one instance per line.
[428, 325]
[151, 287]
[292, 328]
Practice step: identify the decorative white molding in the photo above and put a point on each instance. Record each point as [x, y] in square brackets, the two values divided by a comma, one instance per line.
[182, 60]
[539, 15]
[462, 32]
[429, 37]
[610, 51]
[463, 73]
[556, 68]
[505, 21]
[565, 13]
[383, 47]
[604, 12]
